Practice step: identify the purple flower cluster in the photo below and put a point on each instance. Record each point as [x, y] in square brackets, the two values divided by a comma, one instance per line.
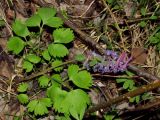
[113, 63]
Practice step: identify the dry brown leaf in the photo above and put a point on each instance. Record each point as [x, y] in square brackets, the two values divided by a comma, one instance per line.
[139, 55]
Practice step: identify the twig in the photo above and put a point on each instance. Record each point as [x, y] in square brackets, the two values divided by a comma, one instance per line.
[138, 91]
[44, 71]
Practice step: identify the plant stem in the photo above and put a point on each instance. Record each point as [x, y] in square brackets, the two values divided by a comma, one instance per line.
[45, 71]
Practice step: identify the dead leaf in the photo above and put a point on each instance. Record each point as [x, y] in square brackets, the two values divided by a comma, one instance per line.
[139, 55]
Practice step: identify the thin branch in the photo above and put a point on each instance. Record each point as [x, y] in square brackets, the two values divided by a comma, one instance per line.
[127, 96]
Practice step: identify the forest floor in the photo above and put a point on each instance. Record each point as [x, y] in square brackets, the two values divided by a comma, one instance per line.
[128, 29]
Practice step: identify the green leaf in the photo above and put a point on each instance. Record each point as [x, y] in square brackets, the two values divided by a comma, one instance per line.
[158, 35]
[153, 17]
[82, 79]
[128, 84]
[142, 24]
[54, 22]
[46, 13]
[33, 21]
[75, 102]
[39, 107]
[2, 22]
[154, 40]
[46, 101]
[110, 1]
[63, 35]
[93, 62]
[57, 96]
[143, 11]
[130, 74]
[120, 80]
[72, 70]
[62, 117]
[22, 87]
[15, 44]
[146, 96]
[57, 50]
[80, 57]
[23, 98]
[109, 117]
[57, 63]
[28, 66]
[56, 80]
[137, 99]
[46, 55]
[31, 105]
[20, 28]
[33, 58]
[132, 99]
[43, 81]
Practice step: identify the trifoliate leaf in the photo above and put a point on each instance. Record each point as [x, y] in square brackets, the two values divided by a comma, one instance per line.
[76, 102]
[15, 44]
[23, 87]
[33, 21]
[23, 98]
[46, 101]
[57, 63]
[82, 79]
[56, 80]
[43, 81]
[33, 58]
[63, 35]
[54, 22]
[72, 71]
[46, 13]
[39, 107]
[73, 102]
[46, 55]
[80, 57]
[27, 66]
[32, 105]
[20, 28]
[57, 50]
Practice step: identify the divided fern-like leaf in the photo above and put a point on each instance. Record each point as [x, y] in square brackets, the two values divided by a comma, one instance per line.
[39, 107]
[23, 98]
[57, 50]
[23, 87]
[63, 35]
[43, 81]
[20, 28]
[15, 44]
[74, 102]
